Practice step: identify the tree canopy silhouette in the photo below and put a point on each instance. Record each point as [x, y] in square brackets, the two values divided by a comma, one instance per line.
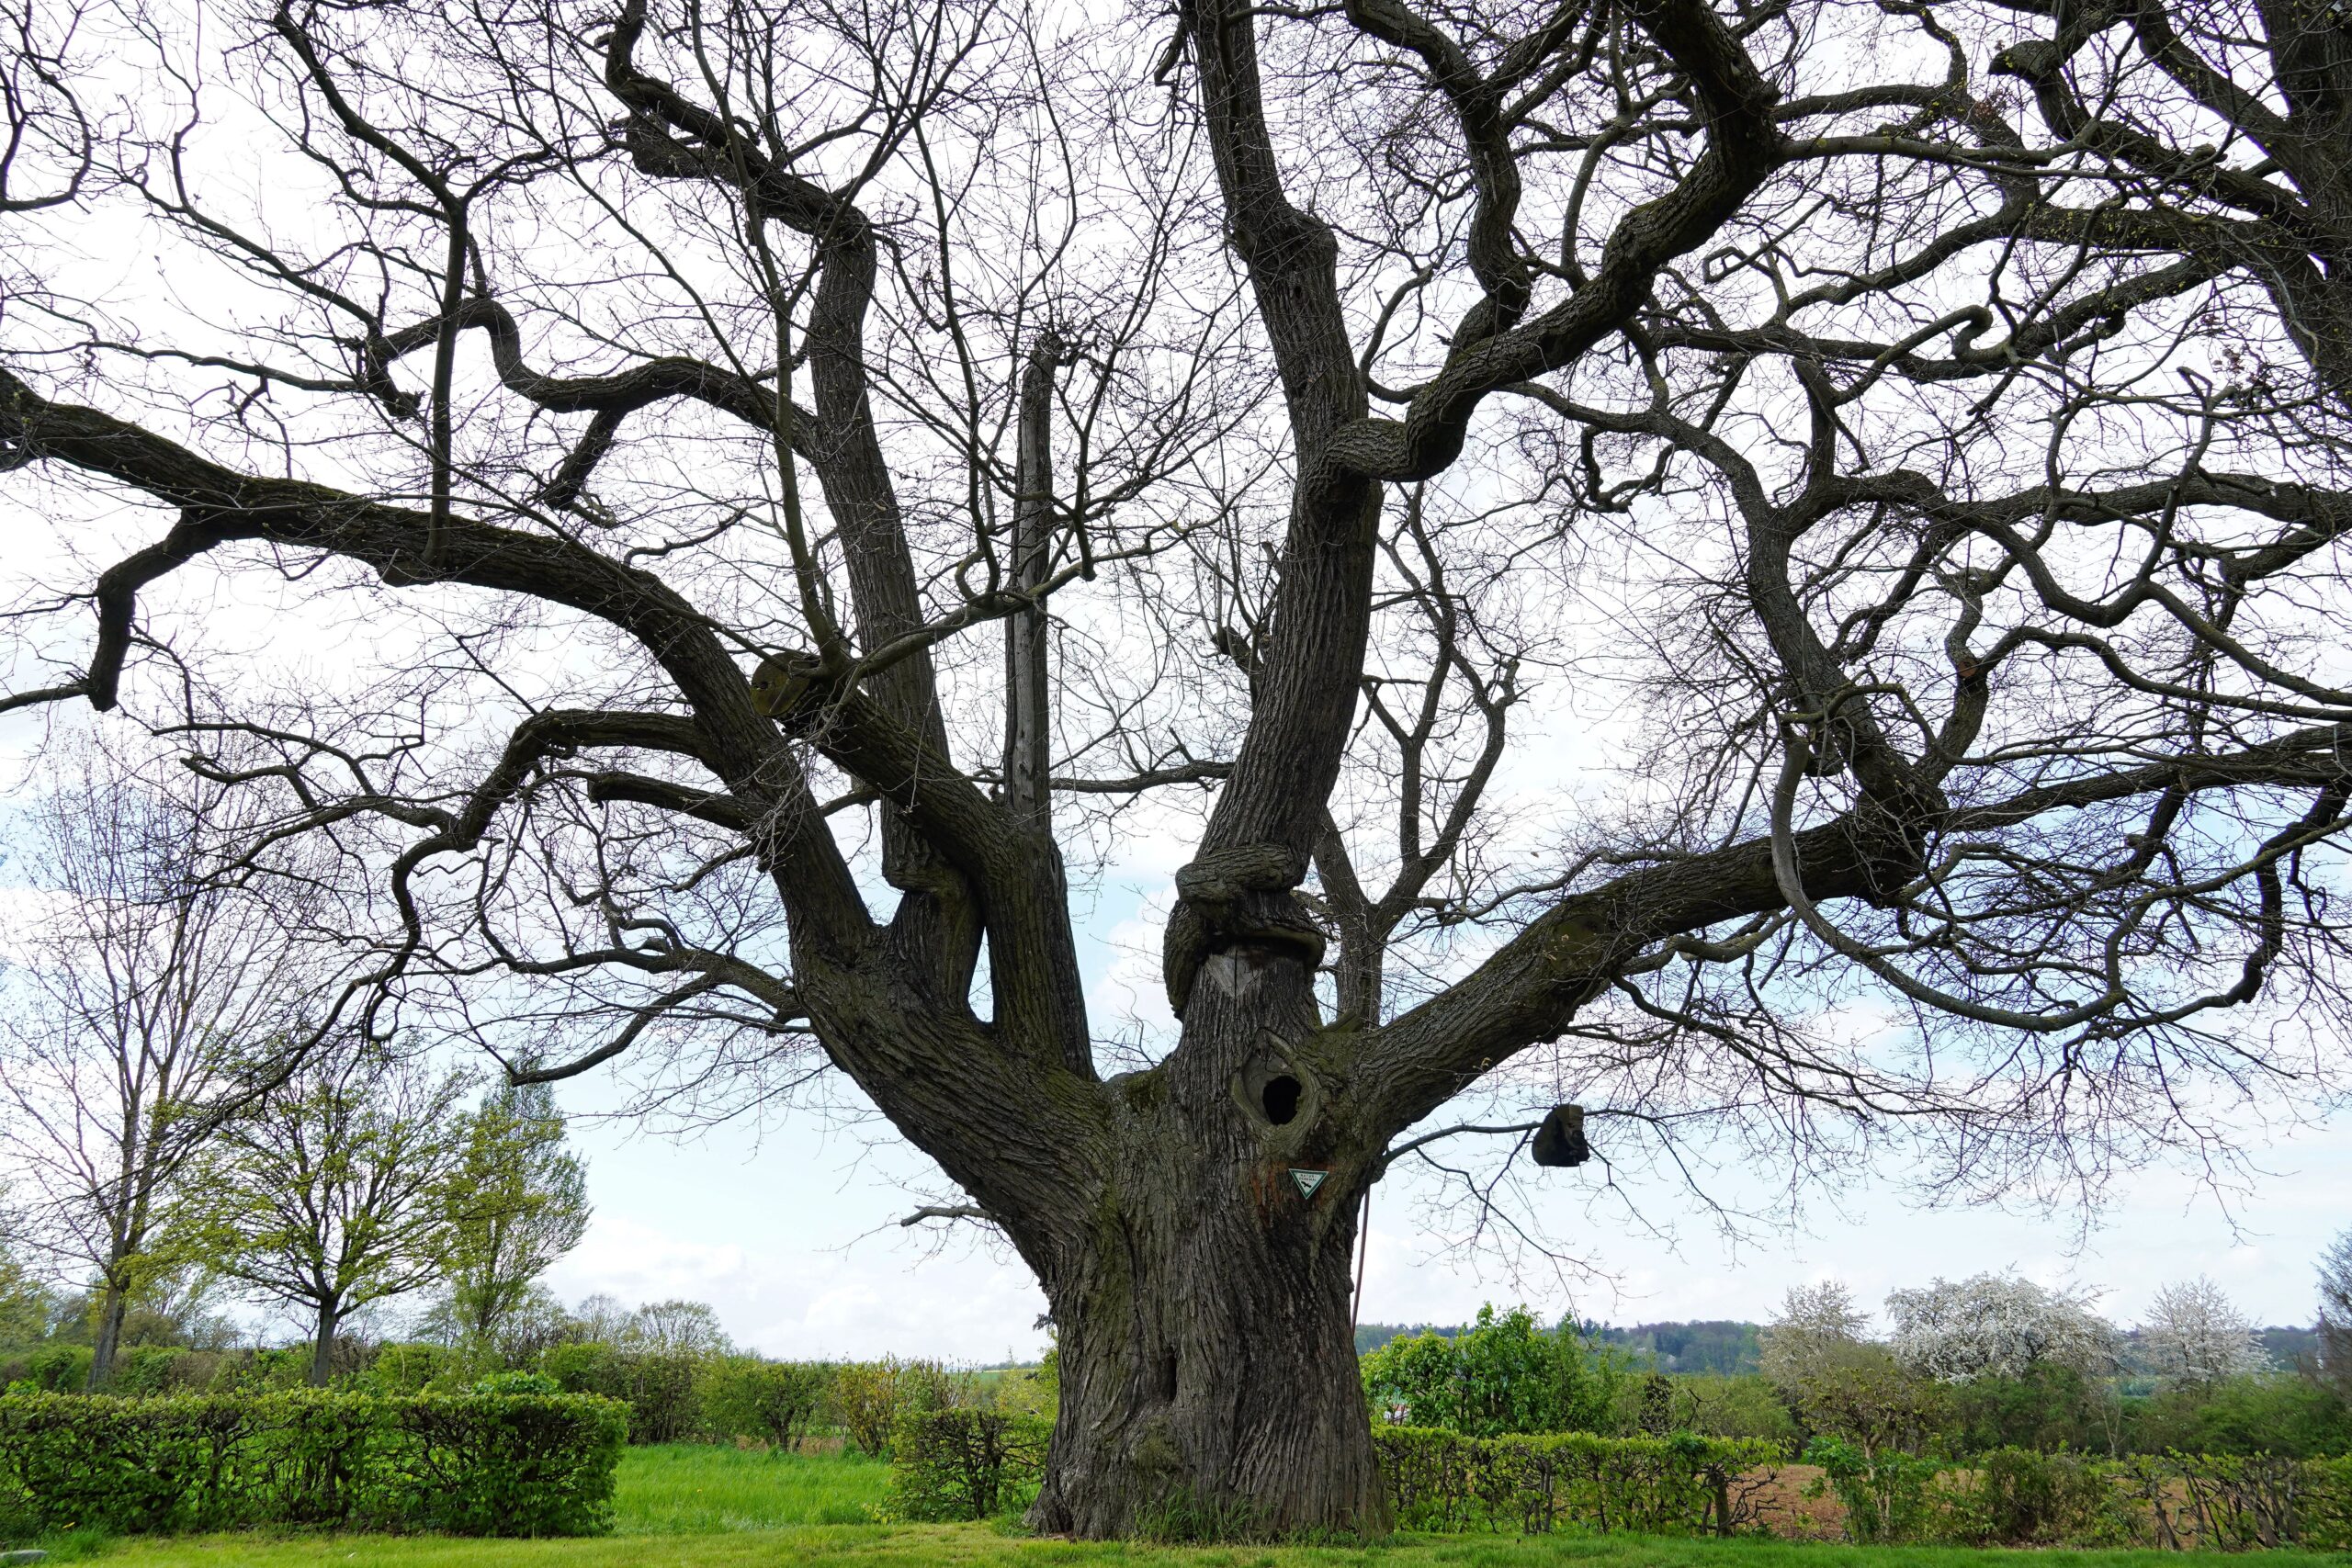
[793, 481]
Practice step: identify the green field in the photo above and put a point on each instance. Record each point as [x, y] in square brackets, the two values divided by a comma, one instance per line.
[688, 1506]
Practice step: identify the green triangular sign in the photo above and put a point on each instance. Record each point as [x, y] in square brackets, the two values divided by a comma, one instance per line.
[1308, 1181]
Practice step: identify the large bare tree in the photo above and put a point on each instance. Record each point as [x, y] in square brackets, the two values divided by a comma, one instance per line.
[798, 481]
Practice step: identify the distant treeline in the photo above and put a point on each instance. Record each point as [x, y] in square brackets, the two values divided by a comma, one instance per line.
[1703, 1346]
[1733, 1350]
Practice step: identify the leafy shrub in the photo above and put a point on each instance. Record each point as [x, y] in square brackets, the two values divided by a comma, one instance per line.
[478, 1464]
[53, 1369]
[660, 1387]
[147, 1369]
[871, 1398]
[2050, 1407]
[776, 1402]
[2276, 1414]
[1030, 1391]
[1869, 1402]
[965, 1464]
[1889, 1496]
[2232, 1502]
[264, 1372]
[1745, 1405]
[2019, 1497]
[1504, 1374]
[2016, 1496]
[425, 1368]
[2327, 1505]
[1682, 1484]
[517, 1384]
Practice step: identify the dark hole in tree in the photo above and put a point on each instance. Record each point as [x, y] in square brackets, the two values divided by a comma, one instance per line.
[1168, 1377]
[1280, 1096]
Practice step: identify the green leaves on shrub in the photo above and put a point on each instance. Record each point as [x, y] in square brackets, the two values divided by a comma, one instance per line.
[2327, 1504]
[512, 1384]
[775, 1401]
[1888, 1494]
[661, 1388]
[2020, 1497]
[949, 1466]
[466, 1465]
[872, 1398]
[1503, 1374]
[58, 1369]
[1535, 1485]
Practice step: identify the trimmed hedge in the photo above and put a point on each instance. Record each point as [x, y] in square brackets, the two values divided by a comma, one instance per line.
[466, 1465]
[949, 1466]
[975, 1464]
[1682, 1484]
[2021, 1497]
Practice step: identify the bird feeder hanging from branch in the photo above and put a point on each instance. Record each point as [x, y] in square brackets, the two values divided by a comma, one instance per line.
[1560, 1140]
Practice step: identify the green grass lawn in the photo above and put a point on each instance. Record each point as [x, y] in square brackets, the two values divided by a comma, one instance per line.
[697, 1489]
[979, 1546]
[689, 1507]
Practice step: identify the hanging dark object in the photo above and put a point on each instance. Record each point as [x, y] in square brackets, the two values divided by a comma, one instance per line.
[1560, 1141]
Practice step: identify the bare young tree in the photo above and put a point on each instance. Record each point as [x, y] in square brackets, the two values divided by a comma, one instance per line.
[2336, 1313]
[135, 994]
[1906, 448]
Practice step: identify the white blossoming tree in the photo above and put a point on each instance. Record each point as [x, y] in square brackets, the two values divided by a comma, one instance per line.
[2194, 1335]
[1995, 1325]
[1818, 1328]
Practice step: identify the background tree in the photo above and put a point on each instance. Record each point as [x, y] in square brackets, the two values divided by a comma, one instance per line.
[27, 1305]
[341, 1186]
[2194, 1335]
[600, 1319]
[521, 1204]
[128, 1004]
[2335, 1315]
[1818, 1329]
[1503, 1373]
[676, 1328]
[1907, 446]
[1997, 1325]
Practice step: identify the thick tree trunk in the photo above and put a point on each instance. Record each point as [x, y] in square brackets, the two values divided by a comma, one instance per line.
[323, 1345]
[1208, 1373]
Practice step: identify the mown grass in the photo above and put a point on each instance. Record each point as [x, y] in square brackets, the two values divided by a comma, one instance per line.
[980, 1546]
[691, 1506]
[698, 1489]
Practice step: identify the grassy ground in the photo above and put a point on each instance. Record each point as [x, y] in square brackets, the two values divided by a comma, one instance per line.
[711, 1507]
[978, 1546]
[696, 1489]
